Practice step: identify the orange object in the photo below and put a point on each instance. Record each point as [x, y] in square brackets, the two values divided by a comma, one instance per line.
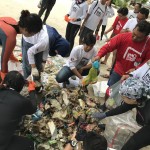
[2, 75]
[31, 86]
[67, 19]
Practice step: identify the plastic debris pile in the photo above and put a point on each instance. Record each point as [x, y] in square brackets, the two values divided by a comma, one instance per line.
[58, 112]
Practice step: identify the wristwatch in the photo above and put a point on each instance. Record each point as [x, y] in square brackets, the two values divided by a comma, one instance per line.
[73, 143]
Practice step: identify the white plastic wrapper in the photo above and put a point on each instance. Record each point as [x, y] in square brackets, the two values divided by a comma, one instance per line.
[99, 88]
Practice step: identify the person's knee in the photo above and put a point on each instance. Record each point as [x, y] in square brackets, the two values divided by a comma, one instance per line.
[58, 78]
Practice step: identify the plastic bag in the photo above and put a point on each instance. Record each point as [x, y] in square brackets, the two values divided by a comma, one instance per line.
[115, 98]
[119, 129]
[15, 66]
[99, 88]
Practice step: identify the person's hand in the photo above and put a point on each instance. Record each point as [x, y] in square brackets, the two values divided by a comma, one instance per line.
[31, 86]
[80, 70]
[96, 58]
[99, 115]
[124, 77]
[73, 19]
[130, 70]
[35, 72]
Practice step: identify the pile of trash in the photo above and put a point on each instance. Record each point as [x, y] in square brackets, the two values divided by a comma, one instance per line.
[59, 111]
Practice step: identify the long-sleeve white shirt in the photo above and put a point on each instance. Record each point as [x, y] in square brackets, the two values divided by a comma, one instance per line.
[40, 43]
[79, 58]
[78, 11]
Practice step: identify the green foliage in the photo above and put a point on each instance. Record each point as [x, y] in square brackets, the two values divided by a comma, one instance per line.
[121, 3]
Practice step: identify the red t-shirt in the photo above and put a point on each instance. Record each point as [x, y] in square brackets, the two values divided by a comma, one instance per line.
[128, 51]
[118, 25]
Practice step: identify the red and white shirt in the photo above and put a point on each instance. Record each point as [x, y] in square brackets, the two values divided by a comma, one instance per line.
[118, 25]
[128, 52]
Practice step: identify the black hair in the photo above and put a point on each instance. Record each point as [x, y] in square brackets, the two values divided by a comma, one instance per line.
[123, 11]
[94, 141]
[143, 27]
[140, 5]
[32, 22]
[14, 80]
[89, 39]
[144, 11]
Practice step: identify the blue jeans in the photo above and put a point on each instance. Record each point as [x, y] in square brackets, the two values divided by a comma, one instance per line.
[65, 73]
[25, 62]
[114, 77]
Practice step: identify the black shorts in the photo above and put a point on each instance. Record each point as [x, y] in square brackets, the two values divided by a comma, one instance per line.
[84, 32]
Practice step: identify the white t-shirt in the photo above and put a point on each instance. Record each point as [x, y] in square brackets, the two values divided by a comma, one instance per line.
[79, 58]
[130, 24]
[132, 14]
[143, 73]
[97, 12]
[109, 14]
[40, 43]
[78, 11]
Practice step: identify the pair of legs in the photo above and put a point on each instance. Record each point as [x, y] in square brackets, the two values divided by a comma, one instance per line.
[71, 32]
[47, 6]
[20, 143]
[83, 33]
[26, 66]
[139, 140]
[65, 73]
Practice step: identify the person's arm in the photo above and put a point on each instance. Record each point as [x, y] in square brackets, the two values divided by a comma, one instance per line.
[120, 110]
[110, 46]
[108, 30]
[113, 26]
[31, 102]
[76, 72]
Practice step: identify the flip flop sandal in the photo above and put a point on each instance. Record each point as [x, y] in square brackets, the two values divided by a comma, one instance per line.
[105, 76]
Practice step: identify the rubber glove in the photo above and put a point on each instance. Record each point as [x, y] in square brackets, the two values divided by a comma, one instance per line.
[31, 86]
[99, 115]
[35, 72]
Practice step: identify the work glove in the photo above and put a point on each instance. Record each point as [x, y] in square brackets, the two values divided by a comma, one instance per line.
[31, 86]
[35, 72]
[99, 115]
